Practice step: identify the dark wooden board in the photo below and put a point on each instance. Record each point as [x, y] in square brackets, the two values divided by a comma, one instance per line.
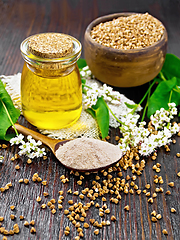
[135, 224]
[19, 19]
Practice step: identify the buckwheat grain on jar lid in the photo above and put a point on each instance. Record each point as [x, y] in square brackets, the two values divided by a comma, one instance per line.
[50, 45]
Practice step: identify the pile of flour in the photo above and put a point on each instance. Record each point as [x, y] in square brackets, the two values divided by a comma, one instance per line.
[87, 153]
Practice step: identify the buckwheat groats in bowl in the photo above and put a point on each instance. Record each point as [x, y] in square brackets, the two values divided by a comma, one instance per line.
[125, 49]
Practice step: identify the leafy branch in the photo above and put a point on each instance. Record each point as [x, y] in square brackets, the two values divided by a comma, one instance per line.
[99, 111]
[9, 117]
[168, 88]
[9, 114]
[101, 114]
[166, 91]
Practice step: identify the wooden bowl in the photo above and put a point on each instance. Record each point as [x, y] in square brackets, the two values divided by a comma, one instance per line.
[123, 68]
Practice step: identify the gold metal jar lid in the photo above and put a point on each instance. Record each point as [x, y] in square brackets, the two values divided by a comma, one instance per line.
[50, 45]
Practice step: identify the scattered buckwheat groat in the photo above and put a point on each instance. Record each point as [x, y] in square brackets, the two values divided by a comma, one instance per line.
[16, 228]
[26, 181]
[165, 232]
[154, 219]
[26, 224]
[21, 217]
[173, 210]
[171, 184]
[32, 222]
[107, 184]
[12, 207]
[17, 167]
[12, 216]
[38, 199]
[29, 161]
[96, 232]
[33, 230]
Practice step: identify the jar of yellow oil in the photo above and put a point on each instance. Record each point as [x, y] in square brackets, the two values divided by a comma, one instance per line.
[51, 91]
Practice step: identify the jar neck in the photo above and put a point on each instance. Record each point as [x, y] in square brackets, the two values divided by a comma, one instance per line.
[44, 72]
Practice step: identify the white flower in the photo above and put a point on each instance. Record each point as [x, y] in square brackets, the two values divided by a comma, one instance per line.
[163, 116]
[22, 152]
[32, 144]
[1, 159]
[40, 152]
[31, 155]
[171, 105]
[16, 140]
[142, 124]
[124, 147]
[174, 111]
[85, 68]
[39, 143]
[83, 73]
[115, 102]
[145, 133]
[88, 72]
[13, 141]
[29, 137]
[29, 148]
[175, 129]
[25, 147]
[167, 132]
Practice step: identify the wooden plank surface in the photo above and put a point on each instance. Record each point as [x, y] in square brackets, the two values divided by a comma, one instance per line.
[19, 19]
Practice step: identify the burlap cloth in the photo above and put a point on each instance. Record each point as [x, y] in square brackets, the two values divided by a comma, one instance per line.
[85, 126]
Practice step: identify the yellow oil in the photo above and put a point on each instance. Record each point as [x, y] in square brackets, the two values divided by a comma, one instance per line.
[51, 102]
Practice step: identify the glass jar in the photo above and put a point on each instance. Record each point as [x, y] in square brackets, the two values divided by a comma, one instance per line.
[51, 92]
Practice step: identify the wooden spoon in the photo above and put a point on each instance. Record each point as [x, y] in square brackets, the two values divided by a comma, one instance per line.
[54, 144]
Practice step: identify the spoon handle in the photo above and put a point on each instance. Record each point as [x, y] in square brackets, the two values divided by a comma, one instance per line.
[37, 136]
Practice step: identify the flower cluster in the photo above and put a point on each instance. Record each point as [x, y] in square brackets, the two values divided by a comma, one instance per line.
[115, 100]
[96, 92]
[86, 72]
[29, 148]
[149, 139]
[157, 134]
[162, 116]
[1, 158]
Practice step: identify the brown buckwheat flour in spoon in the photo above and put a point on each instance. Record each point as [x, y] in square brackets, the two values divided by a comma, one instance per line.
[88, 154]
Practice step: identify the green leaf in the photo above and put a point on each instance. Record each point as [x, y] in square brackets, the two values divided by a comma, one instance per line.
[8, 113]
[101, 113]
[81, 63]
[83, 81]
[161, 96]
[92, 112]
[171, 66]
[131, 106]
